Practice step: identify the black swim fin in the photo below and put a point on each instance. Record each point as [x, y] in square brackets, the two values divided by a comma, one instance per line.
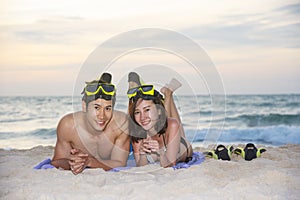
[105, 78]
[220, 153]
[134, 77]
[250, 151]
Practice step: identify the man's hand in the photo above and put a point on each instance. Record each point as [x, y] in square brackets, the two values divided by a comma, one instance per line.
[78, 161]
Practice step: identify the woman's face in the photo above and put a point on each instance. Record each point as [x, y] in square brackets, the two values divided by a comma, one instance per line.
[146, 114]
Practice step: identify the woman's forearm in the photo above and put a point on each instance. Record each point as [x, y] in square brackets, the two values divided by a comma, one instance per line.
[164, 161]
[142, 160]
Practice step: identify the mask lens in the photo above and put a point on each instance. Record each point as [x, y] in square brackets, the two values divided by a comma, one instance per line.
[132, 90]
[92, 87]
[108, 88]
[147, 88]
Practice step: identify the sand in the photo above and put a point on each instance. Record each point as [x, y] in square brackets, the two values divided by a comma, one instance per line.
[275, 175]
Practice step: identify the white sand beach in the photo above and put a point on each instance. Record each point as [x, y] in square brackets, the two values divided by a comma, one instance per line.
[275, 175]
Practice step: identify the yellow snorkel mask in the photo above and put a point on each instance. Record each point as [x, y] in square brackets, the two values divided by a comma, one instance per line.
[144, 89]
[94, 88]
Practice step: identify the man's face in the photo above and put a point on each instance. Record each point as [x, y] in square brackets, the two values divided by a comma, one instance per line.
[99, 113]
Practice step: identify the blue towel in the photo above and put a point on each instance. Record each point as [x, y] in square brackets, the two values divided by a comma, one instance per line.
[45, 164]
[197, 159]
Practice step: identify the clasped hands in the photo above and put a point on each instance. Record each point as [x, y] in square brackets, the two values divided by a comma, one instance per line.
[149, 146]
[78, 161]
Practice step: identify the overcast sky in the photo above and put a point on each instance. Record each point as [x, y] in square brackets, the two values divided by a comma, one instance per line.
[254, 45]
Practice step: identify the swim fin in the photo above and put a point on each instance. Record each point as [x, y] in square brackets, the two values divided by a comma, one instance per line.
[220, 153]
[249, 152]
[105, 78]
[134, 80]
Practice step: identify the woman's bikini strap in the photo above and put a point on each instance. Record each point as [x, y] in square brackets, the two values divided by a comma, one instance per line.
[164, 141]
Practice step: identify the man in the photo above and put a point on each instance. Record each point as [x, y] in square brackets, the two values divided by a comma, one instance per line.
[97, 136]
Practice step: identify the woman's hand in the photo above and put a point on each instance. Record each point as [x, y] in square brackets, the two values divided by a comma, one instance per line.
[150, 146]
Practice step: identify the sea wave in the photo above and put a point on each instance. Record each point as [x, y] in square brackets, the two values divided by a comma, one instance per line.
[262, 120]
[274, 135]
[41, 133]
[271, 119]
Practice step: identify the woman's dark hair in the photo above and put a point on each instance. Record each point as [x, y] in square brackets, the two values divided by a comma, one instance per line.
[136, 132]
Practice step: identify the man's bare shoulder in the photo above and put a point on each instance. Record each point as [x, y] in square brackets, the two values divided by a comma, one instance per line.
[119, 115]
[121, 121]
[69, 120]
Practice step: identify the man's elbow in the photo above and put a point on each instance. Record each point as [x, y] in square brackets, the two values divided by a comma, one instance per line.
[123, 163]
[60, 164]
[54, 163]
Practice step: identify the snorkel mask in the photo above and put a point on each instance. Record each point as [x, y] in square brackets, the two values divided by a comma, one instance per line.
[101, 88]
[146, 92]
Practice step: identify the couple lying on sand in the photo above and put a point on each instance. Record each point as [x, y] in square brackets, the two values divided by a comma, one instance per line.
[100, 137]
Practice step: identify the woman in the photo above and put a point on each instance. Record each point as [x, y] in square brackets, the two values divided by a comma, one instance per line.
[155, 128]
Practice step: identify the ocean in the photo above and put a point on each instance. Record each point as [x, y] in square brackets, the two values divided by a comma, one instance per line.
[27, 122]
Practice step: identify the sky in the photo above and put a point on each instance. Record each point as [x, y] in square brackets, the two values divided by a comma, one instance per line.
[253, 45]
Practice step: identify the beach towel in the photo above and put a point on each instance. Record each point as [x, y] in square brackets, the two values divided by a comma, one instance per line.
[45, 164]
[197, 159]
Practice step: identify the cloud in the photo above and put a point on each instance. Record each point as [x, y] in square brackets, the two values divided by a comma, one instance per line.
[223, 35]
[278, 28]
[38, 38]
[58, 30]
[284, 36]
[291, 8]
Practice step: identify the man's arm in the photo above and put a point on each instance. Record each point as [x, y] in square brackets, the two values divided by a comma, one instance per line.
[119, 155]
[63, 146]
